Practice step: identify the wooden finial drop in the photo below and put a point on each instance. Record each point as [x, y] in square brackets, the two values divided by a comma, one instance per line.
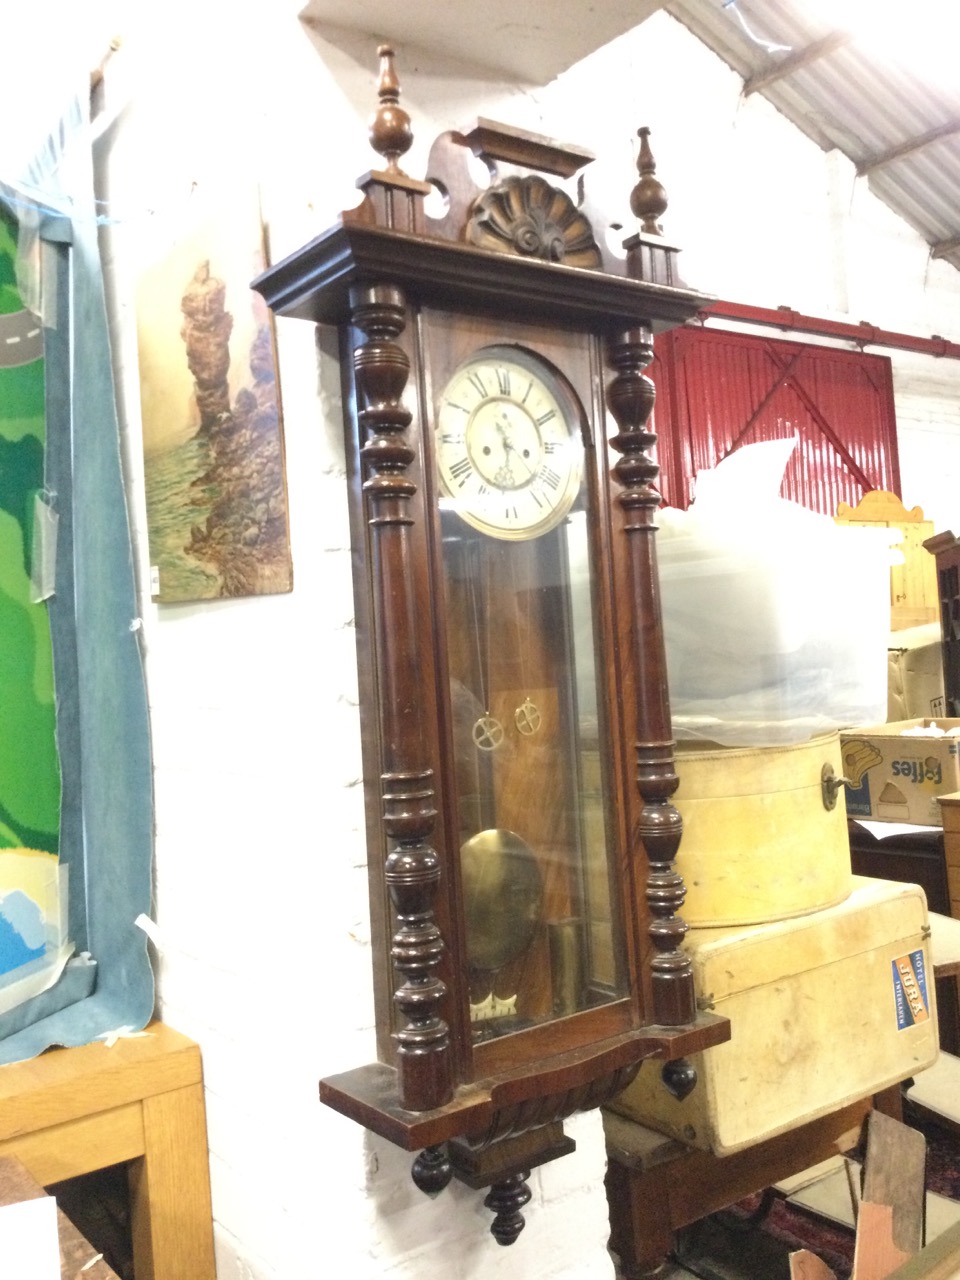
[648, 200]
[390, 132]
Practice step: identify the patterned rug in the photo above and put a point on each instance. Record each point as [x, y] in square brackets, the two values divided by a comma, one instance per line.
[754, 1238]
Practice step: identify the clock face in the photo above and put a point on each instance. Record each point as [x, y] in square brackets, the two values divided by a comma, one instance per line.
[509, 444]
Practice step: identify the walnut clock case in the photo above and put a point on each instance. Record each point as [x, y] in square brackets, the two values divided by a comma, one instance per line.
[518, 759]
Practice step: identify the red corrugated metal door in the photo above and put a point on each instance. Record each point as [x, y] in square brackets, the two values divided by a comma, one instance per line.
[717, 391]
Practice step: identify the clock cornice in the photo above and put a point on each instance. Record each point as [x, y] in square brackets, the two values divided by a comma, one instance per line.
[314, 282]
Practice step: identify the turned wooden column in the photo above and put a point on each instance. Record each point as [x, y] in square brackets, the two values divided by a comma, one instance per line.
[412, 869]
[630, 398]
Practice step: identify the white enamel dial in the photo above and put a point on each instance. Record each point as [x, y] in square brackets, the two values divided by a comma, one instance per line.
[509, 449]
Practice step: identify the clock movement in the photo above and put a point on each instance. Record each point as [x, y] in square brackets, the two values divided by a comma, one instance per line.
[517, 752]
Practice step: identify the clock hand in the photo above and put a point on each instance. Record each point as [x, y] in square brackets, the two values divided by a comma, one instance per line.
[526, 465]
[509, 447]
[504, 477]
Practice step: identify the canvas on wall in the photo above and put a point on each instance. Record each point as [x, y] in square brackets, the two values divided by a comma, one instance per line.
[212, 426]
[33, 927]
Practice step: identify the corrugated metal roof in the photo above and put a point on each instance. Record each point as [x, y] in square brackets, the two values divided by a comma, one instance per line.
[902, 133]
[886, 120]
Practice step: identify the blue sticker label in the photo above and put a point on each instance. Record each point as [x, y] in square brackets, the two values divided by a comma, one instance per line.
[858, 799]
[910, 990]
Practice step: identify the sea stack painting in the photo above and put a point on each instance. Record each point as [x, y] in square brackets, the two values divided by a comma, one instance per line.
[212, 430]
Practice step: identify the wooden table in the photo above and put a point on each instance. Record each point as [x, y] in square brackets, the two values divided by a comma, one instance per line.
[72, 1111]
[655, 1185]
[78, 1258]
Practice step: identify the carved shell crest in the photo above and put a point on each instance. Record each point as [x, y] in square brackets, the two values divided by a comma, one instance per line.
[528, 217]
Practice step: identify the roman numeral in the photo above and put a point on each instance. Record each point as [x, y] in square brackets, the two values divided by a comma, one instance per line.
[503, 381]
[451, 437]
[511, 513]
[545, 417]
[478, 384]
[550, 477]
[461, 469]
[452, 404]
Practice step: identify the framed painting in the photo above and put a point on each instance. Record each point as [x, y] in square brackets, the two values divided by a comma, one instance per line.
[212, 423]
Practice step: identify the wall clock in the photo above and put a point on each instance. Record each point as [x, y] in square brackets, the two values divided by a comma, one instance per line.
[524, 897]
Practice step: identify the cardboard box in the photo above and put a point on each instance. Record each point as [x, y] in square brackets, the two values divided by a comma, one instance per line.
[895, 778]
[915, 673]
[824, 1010]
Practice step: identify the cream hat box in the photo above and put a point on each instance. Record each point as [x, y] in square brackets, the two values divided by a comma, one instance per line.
[824, 1009]
[762, 839]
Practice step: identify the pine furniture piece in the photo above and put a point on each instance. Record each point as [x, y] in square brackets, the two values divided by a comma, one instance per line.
[913, 584]
[78, 1257]
[140, 1100]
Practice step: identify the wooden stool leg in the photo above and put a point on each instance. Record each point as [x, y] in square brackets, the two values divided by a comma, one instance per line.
[170, 1207]
[641, 1233]
[890, 1101]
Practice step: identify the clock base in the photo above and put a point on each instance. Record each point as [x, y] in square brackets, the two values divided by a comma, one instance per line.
[490, 1110]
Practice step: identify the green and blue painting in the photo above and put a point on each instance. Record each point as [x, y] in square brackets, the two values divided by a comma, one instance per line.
[29, 764]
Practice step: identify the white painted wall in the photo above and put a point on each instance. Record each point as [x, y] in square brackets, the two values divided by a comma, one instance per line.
[260, 877]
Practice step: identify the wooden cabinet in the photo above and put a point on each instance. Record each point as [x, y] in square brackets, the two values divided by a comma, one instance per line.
[914, 858]
[945, 547]
[950, 810]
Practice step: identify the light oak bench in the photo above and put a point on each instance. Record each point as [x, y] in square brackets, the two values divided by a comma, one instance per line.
[71, 1111]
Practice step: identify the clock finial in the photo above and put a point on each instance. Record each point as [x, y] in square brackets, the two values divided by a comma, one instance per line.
[648, 200]
[390, 132]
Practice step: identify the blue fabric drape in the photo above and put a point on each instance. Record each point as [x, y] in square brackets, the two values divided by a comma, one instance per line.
[102, 722]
